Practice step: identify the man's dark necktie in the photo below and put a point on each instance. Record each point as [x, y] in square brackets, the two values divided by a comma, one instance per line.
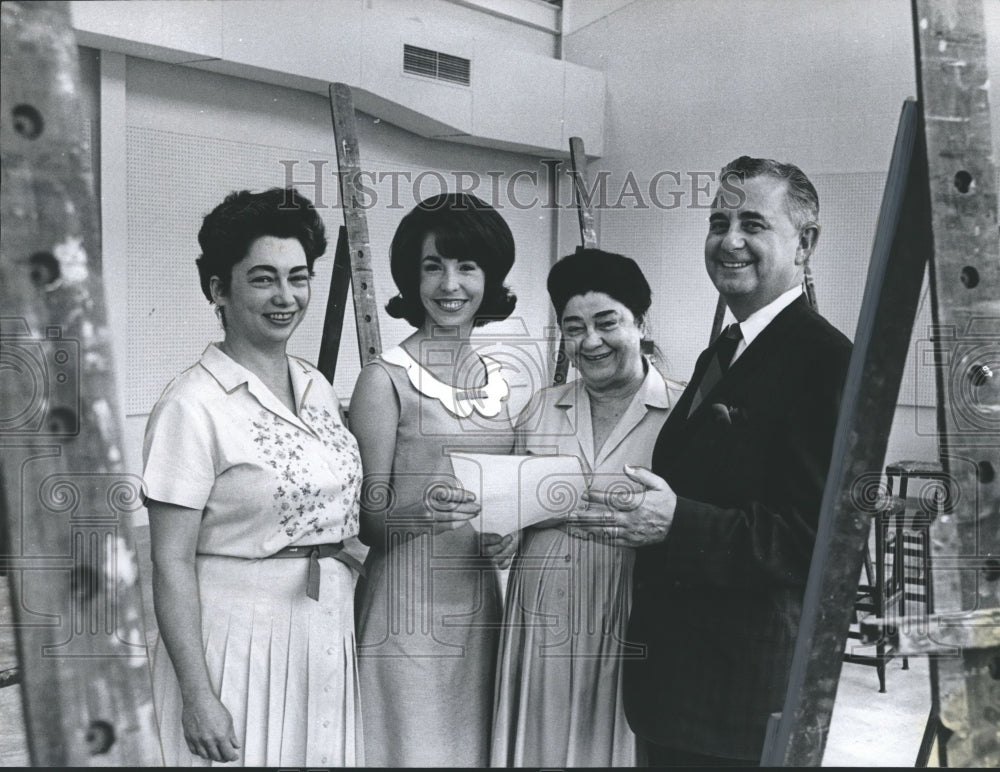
[725, 346]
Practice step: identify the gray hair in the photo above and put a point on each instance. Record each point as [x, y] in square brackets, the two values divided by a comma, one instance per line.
[803, 201]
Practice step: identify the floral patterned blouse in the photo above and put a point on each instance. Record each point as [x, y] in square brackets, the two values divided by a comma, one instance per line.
[218, 440]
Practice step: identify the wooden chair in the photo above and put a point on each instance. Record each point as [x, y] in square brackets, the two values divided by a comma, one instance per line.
[901, 570]
[874, 596]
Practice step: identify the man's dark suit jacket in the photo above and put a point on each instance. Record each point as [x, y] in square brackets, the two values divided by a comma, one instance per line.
[717, 604]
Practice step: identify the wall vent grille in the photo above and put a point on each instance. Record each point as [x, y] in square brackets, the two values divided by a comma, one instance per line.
[434, 64]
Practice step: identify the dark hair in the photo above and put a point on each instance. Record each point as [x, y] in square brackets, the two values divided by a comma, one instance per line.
[228, 231]
[464, 228]
[803, 201]
[594, 270]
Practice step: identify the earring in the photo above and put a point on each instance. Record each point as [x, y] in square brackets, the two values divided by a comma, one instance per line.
[221, 313]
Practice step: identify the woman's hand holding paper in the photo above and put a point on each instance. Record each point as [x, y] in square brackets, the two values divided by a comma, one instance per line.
[449, 507]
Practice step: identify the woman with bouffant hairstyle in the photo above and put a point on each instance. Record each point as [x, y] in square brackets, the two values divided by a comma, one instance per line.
[464, 225]
[429, 606]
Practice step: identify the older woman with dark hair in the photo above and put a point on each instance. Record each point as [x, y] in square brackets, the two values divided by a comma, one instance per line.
[429, 607]
[559, 693]
[252, 484]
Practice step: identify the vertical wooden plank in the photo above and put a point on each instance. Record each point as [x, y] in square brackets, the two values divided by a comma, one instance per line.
[336, 307]
[953, 87]
[356, 221]
[588, 233]
[66, 502]
[585, 212]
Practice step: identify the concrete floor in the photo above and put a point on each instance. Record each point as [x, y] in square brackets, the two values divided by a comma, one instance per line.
[869, 729]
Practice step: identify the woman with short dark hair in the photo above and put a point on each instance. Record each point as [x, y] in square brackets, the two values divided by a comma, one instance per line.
[429, 607]
[559, 689]
[252, 483]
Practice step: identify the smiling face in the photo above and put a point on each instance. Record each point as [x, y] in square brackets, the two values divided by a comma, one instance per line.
[268, 293]
[451, 290]
[754, 251]
[602, 340]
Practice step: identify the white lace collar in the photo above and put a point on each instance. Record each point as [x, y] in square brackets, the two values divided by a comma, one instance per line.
[486, 400]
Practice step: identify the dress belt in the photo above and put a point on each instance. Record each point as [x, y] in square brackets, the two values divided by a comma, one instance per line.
[314, 552]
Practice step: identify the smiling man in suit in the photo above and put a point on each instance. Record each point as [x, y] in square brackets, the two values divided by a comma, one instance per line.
[727, 520]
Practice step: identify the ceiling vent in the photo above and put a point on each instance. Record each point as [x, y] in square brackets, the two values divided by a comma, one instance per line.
[434, 64]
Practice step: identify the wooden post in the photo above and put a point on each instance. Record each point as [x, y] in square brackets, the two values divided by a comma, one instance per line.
[336, 307]
[585, 212]
[953, 87]
[588, 233]
[356, 221]
[66, 502]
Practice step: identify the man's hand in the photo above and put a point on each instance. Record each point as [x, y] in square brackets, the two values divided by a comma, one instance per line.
[628, 520]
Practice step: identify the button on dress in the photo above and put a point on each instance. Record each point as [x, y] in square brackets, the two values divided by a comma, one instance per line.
[265, 478]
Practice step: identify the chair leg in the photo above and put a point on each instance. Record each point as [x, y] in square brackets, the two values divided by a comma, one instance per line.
[899, 559]
[880, 596]
[933, 729]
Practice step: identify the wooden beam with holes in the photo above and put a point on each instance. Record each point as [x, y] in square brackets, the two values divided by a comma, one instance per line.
[356, 223]
[953, 88]
[588, 233]
[66, 502]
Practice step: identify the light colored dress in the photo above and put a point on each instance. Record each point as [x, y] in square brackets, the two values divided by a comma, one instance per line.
[429, 606]
[282, 663]
[559, 681]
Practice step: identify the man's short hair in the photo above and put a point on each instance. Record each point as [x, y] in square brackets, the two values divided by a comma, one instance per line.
[803, 201]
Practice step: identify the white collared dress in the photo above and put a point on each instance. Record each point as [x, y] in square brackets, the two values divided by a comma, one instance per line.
[429, 606]
[559, 680]
[265, 478]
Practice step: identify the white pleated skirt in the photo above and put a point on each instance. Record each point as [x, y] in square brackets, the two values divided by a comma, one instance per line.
[282, 663]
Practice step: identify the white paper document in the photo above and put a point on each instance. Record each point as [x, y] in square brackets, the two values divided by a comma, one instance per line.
[518, 491]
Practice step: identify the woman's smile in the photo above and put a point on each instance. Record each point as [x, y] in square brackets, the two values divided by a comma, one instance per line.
[451, 290]
[451, 304]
